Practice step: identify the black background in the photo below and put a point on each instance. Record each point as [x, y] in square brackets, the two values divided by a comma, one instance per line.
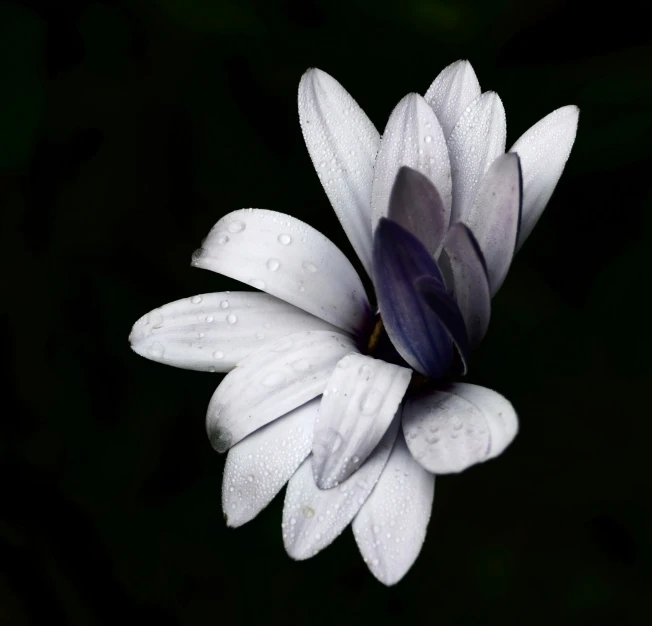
[127, 130]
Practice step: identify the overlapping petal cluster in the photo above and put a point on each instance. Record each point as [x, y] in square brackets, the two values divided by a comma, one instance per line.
[435, 210]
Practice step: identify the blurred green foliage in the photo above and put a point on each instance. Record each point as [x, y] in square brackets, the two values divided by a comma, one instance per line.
[126, 130]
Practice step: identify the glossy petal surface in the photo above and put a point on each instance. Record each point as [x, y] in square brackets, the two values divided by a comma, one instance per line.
[214, 331]
[477, 139]
[391, 525]
[415, 330]
[342, 143]
[544, 150]
[449, 430]
[313, 518]
[357, 406]
[412, 137]
[495, 216]
[257, 468]
[272, 381]
[465, 273]
[415, 204]
[281, 255]
[454, 89]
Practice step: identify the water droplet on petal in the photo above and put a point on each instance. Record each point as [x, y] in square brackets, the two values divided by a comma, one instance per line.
[273, 265]
[195, 299]
[218, 354]
[231, 319]
[224, 304]
[428, 138]
[209, 318]
[236, 227]
[284, 239]
[222, 239]
[257, 283]
[309, 267]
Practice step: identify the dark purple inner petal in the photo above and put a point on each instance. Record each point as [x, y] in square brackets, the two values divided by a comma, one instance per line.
[435, 296]
[412, 322]
[415, 204]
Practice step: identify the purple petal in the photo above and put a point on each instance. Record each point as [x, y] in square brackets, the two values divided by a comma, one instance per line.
[435, 296]
[495, 216]
[462, 264]
[414, 328]
[415, 204]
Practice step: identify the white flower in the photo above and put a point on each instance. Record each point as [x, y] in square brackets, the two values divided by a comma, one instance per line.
[303, 401]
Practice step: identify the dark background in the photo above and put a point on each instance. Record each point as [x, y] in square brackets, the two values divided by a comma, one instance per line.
[127, 130]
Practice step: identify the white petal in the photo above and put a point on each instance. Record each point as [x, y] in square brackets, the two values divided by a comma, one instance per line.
[449, 431]
[544, 150]
[477, 139]
[271, 381]
[212, 332]
[280, 254]
[391, 525]
[313, 518]
[342, 143]
[454, 89]
[413, 137]
[495, 215]
[358, 405]
[257, 468]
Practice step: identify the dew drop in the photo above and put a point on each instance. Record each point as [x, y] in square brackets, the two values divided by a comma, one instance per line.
[195, 299]
[366, 371]
[428, 138]
[209, 318]
[218, 354]
[236, 227]
[273, 265]
[222, 239]
[231, 319]
[308, 511]
[284, 239]
[257, 283]
[224, 304]
[309, 267]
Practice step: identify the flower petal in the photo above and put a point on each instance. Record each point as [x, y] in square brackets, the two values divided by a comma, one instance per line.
[475, 142]
[495, 216]
[271, 381]
[544, 150]
[415, 330]
[416, 205]
[391, 525]
[257, 468]
[454, 89]
[280, 254]
[462, 265]
[358, 405]
[450, 430]
[212, 332]
[313, 518]
[342, 143]
[413, 137]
